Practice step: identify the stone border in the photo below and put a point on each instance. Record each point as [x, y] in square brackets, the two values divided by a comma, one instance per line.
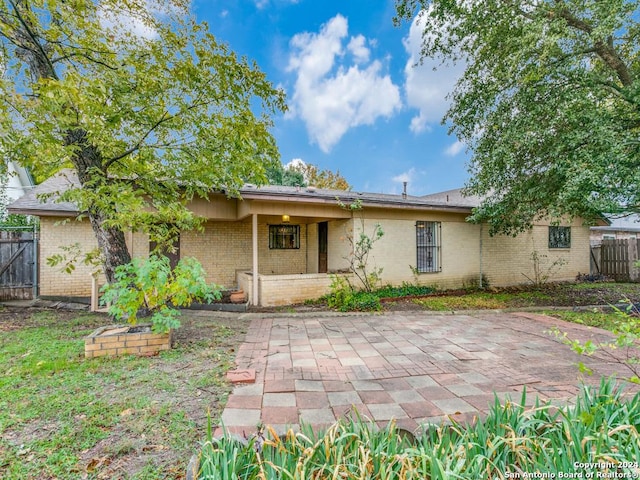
[121, 341]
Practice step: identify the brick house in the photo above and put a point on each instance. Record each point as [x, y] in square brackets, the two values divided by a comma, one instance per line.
[293, 239]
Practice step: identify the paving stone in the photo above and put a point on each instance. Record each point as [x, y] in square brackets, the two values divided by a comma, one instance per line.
[312, 400]
[386, 411]
[452, 405]
[279, 400]
[375, 396]
[337, 386]
[343, 398]
[464, 390]
[365, 385]
[421, 381]
[309, 386]
[350, 361]
[244, 401]
[279, 386]
[405, 396]
[279, 415]
[304, 362]
[317, 416]
[242, 375]
[420, 409]
[255, 389]
[240, 416]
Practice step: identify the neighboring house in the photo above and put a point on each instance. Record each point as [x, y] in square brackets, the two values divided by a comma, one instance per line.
[617, 229]
[19, 181]
[293, 239]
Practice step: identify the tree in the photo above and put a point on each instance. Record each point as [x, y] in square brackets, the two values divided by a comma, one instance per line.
[548, 103]
[146, 106]
[303, 174]
[279, 175]
[321, 178]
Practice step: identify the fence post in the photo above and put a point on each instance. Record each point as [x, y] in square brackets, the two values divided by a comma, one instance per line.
[634, 256]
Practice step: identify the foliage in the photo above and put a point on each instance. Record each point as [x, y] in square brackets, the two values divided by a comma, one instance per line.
[361, 245]
[626, 330]
[542, 269]
[303, 174]
[277, 174]
[602, 428]
[71, 255]
[548, 103]
[146, 106]
[126, 417]
[405, 290]
[321, 178]
[149, 286]
[344, 298]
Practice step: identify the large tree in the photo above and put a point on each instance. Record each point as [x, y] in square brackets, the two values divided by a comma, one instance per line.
[549, 103]
[139, 99]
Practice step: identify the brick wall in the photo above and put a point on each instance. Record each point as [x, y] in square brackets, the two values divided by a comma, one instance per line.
[56, 233]
[103, 343]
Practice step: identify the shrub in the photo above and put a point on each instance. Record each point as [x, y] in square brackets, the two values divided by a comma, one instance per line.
[149, 287]
[345, 299]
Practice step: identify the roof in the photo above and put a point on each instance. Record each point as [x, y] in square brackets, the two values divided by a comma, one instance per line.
[33, 203]
[630, 223]
[41, 200]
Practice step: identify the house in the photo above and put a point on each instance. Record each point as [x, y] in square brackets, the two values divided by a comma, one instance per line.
[281, 245]
[19, 181]
[617, 229]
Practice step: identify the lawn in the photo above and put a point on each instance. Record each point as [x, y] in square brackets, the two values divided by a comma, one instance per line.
[559, 295]
[65, 417]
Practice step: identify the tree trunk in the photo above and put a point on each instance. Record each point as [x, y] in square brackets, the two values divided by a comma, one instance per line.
[89, 166]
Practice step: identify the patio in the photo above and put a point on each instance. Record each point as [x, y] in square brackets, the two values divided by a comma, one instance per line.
[415, 368]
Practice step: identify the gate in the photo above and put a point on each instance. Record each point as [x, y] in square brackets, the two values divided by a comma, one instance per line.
[617, 259]
[18, 263]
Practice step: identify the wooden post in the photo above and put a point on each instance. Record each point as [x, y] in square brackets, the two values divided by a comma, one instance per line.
[94, 292]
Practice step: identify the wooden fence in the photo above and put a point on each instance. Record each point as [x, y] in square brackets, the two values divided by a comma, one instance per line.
[617, 259]
[18, 264]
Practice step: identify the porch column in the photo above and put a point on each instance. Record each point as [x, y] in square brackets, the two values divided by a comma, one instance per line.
[254, 249]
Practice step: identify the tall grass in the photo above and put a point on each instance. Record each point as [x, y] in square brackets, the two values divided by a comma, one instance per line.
[598, 434]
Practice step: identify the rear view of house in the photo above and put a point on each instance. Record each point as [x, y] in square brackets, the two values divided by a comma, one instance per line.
[282, 245]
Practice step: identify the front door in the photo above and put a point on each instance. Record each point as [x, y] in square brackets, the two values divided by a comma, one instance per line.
[323, 231]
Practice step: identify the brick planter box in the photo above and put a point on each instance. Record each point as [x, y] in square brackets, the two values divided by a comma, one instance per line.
[116, 340]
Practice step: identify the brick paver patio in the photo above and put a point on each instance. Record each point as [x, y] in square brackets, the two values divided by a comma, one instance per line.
[413, 367]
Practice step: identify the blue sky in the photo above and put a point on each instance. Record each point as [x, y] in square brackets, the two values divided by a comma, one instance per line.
[357, 104]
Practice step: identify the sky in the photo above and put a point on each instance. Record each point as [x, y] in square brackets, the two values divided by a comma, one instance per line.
[357, 102]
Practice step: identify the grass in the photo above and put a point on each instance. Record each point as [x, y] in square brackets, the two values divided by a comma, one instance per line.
[600, 430]
[65, 417]
[482, 301]
[606, 321]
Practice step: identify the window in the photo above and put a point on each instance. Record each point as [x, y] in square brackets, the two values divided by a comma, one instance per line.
[428, 246]
[559, 237]
[284, 236]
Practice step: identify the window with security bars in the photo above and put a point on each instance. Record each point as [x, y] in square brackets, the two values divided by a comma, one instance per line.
[559, 237]
[283, 237]
[428, 246]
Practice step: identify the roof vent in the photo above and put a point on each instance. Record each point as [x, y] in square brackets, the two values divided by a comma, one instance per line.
[311, 188]
[250, 185]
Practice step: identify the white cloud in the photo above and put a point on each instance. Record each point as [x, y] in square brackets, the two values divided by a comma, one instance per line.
[296, 162]
[357, 46]
[426, 89]
[405, 176]
[332, 96]
[454, 149]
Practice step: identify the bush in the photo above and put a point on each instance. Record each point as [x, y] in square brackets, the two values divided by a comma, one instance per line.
[598, 435]
[149, 287]
[345, 299]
